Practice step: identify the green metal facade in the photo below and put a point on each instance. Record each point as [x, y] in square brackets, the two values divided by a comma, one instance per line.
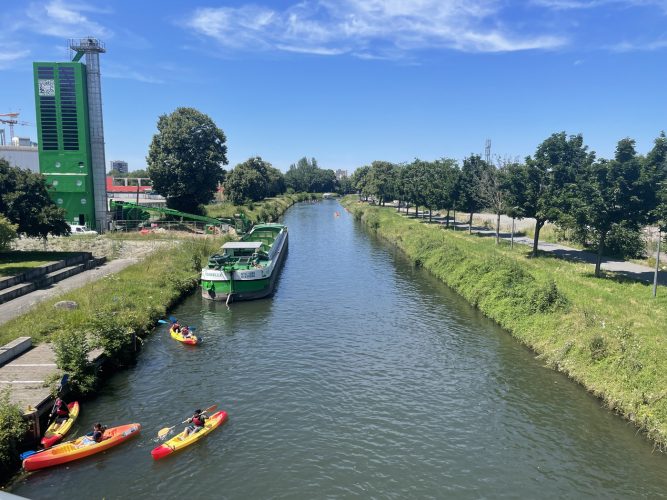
[64, 142]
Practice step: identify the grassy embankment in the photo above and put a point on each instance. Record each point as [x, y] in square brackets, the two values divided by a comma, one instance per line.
[267, 210]
[136, 297]
[607, 334]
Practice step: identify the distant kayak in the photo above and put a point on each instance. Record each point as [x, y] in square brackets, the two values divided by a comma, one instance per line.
[55, 432]
[80, 448]
[191, 340]
[180, 441]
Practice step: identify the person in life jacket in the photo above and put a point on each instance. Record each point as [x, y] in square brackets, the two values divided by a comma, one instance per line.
[95, 436]
[185, 331]
[60, 411]
[196, 421]
[176, 326]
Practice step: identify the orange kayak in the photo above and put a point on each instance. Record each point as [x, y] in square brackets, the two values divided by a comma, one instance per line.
[79, 448]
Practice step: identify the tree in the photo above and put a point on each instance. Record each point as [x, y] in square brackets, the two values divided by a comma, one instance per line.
[7, 233]
[248, 181]
[608, 193]
[381, 181]
[494, 190]
[306, 176]
[185, 159]
[549, 179]
[359, 179]
[25, 201]
[471, 196]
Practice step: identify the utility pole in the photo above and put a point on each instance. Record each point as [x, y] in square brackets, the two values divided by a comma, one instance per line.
[657, 264]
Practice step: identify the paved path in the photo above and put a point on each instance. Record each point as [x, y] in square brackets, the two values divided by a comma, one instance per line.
[21, 305]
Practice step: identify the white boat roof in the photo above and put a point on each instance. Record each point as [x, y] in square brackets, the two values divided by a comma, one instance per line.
[242, 244]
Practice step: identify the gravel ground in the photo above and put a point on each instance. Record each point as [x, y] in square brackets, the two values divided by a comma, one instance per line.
[99, 246]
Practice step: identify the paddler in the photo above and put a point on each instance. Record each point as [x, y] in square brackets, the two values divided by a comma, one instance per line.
[95, 436]
[185, 331]
[196, 421]
[60, 411]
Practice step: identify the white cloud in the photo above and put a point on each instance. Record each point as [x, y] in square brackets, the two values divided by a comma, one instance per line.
[122, 72]
[591, 4]
[367, 28]
[640, 46]
[9, 56]
[65, 19]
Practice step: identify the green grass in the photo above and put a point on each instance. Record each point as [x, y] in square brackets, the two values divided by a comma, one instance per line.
[267, 210]
[607, 334]
[137, 296]
[13, 263]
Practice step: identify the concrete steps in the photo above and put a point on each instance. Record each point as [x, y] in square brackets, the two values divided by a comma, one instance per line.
[44, 276]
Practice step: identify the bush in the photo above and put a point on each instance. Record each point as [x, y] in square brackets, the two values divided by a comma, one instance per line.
[598, 348]
[547, 298]
[625, 242]
[71, 348]
[7, 232]
[114, 337]
[12, 429]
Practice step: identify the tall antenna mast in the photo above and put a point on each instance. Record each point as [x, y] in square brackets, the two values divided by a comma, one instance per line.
[487, 151]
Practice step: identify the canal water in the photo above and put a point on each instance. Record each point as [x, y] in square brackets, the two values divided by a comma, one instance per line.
[361, 377]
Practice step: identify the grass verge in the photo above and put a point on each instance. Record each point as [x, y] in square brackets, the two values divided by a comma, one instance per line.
[267, 210]
[606, 334]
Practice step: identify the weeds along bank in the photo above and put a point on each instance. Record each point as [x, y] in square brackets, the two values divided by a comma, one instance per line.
[607, 334]
[267, 210]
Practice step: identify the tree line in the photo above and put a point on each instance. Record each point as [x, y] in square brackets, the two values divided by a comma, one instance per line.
[186, 158]
[598, 200]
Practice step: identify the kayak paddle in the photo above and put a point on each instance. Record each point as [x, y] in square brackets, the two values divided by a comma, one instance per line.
[165, 430]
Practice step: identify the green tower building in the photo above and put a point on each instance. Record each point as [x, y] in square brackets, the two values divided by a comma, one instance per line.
[64, 141]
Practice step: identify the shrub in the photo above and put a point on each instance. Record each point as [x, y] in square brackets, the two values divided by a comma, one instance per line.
[71, 348]
[114, 337]
[7, 232]
[547, 298]
[12, 429]
[598, 348]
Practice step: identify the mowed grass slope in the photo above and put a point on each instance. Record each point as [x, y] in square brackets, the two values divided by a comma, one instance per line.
[609, 335]
[135, 297]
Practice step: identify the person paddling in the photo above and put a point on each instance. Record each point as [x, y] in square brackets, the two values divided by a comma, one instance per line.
[196, 421]
[185, 331]
[96, 436]
[60, 412]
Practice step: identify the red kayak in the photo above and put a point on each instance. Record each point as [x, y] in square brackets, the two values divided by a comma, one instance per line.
[80, 448]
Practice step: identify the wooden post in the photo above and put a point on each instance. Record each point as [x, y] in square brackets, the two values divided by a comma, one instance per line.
[512, 239]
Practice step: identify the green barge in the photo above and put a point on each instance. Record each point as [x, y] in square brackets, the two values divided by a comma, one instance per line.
[246, 269]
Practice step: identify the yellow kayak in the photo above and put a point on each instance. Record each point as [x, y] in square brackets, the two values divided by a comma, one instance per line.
[55, 432]
[191, 340]
[181, 441]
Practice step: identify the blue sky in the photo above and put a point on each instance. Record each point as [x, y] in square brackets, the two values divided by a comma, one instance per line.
[352, 81]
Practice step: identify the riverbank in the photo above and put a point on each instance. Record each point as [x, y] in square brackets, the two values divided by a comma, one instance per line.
[606, 334]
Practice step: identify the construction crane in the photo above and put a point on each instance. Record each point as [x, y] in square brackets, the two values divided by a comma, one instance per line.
[11, 121]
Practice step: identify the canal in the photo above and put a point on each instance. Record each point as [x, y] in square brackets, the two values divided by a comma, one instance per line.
[361, 377]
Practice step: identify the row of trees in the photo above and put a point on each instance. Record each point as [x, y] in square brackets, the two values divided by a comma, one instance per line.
[562, 182]
[186, 158]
